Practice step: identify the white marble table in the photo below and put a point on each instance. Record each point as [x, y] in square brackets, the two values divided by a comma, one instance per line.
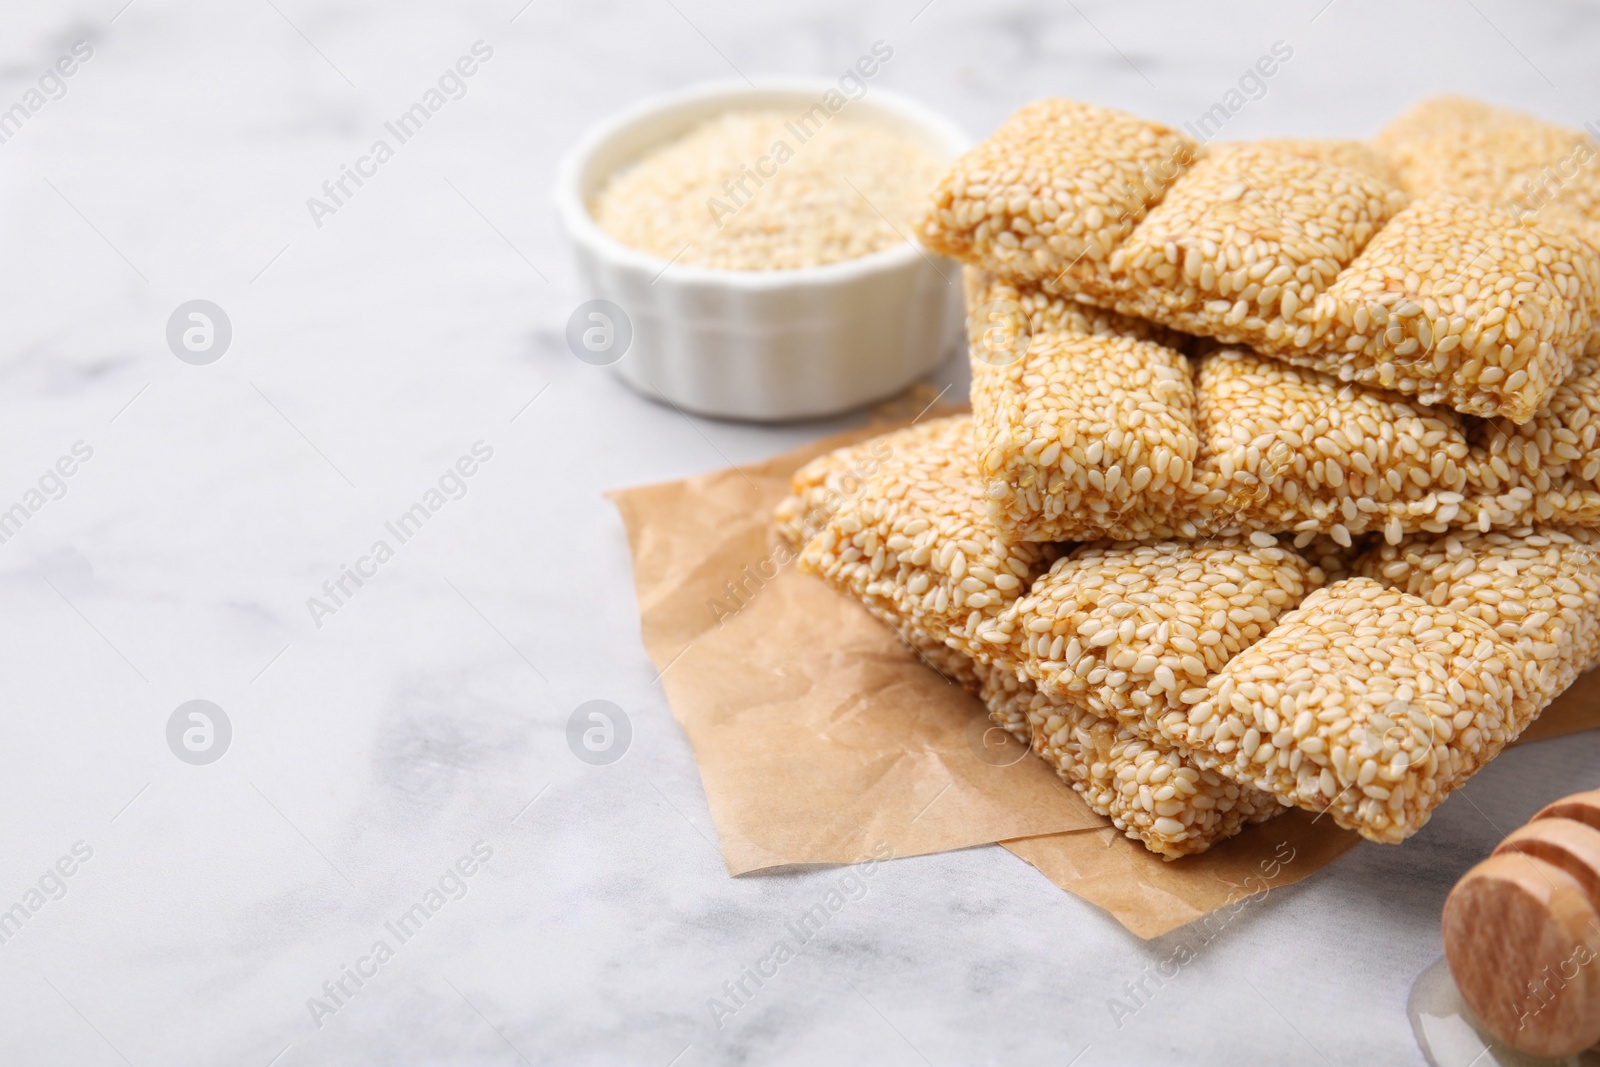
[369, 754]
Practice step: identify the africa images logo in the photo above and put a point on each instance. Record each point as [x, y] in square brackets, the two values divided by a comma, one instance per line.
[199, 732]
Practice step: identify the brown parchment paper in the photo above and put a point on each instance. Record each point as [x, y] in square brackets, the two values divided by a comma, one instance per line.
[821, 738]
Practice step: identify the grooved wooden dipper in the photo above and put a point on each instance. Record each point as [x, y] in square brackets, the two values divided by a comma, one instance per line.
[1522, 932]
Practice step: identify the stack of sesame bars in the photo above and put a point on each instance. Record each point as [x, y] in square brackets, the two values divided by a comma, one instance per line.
[1281, 484]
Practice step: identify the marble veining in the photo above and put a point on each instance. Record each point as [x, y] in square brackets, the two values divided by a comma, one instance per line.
[424, 722]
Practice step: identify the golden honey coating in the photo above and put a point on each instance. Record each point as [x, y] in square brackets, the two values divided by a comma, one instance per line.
[1133, 632]
[1280, 448]
[1000, 314]
[1148, 789]
[1497, 156]
[1285, 448]
[818, 490]
[1537, 587]
[1082, 437]
[1242, 665]
[1446, 299]
[1366, 703]
[1060, 182]
[1246, 237]
[1338, 152]
[1548, 468]
[1458, 303]
[1009, 699]
[915, 545]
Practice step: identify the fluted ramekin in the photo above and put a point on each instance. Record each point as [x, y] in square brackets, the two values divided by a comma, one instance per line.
[764, 345]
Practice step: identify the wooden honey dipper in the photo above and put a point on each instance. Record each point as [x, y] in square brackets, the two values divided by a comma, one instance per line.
[1522, 932]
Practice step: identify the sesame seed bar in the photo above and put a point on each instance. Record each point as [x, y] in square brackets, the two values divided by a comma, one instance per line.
[1060, 182]
[1365, 702]
[999, 313]
[1547, 469]
[1537, 587]
[915, 545]
[1149, 790]
[820, 488]
[1084, 436]
[1253, 445]
[1278, 448]
[1462, 304]
[1352, 155]
[1285, 448]
[1132, 632]
[1258, 233]
[1250, 667]
[1313, 262]
[1496, 156]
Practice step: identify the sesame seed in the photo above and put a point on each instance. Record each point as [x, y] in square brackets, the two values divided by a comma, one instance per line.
[1057, 428]
[1308, 258]
[1113, 767]
[924, 478]
[1205, 582]
[1537, 587]
[743, 191]
[1395, 686]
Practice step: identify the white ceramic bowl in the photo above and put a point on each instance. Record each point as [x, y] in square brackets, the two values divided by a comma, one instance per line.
[764, 345]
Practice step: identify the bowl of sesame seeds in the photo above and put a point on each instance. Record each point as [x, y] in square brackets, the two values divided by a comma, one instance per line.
[759, 241]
